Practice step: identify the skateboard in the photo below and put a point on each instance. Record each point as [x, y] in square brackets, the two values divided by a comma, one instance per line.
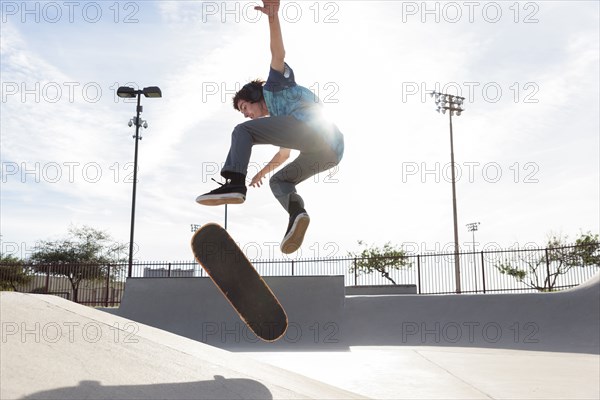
[239, 282]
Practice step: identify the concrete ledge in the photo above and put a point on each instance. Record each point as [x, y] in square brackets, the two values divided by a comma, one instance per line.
[321, 317]
[380, 289]
[195, 308]
[567, 321]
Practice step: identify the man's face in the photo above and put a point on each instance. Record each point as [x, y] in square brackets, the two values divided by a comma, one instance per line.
[251, 110]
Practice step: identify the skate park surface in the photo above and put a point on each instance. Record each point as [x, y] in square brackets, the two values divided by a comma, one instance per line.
[175, 339]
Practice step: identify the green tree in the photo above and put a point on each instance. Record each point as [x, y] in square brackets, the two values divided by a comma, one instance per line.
[13, 273]
[86, 254]
[557, 259]
[383, 260]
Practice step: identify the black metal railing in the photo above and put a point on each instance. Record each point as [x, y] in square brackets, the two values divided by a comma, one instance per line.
[501, 271]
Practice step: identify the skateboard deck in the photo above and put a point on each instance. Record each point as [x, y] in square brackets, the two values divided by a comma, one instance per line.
[239, 282]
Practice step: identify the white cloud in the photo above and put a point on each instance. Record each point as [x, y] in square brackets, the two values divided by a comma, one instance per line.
[362, 63]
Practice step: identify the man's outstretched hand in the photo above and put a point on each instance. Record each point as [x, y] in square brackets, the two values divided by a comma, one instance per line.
[257, 181]
[270, 7]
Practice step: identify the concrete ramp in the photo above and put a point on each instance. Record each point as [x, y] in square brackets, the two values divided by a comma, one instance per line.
[566, 321]
[321, 317]
[55, 349]
[196, 309]
[510, 346]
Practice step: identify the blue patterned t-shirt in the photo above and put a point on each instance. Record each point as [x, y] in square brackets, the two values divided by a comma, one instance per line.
[284, 97]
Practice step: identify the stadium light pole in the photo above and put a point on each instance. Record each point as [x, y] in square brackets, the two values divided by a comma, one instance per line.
[452, 104]
[195, 227]
[128, 92]
[472, 227]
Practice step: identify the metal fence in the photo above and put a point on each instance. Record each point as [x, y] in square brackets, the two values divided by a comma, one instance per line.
[480, 272]
[85, 283]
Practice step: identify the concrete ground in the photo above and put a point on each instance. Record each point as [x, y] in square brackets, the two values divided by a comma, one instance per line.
[396, 372]
[55, 349]
[517, 346]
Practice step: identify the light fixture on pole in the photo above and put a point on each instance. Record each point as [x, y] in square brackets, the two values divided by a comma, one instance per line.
[472, 227]
[128, 92]
[195, 227]
[454, 105]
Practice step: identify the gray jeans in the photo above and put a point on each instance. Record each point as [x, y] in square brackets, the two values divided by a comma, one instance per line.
[316, 154]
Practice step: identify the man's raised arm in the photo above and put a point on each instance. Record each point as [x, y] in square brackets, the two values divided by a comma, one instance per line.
[271, 9]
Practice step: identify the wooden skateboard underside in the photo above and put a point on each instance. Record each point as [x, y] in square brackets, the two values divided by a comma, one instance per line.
[239, 282]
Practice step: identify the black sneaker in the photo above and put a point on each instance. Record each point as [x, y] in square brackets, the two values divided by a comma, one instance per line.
[294, 236]
[228, 193]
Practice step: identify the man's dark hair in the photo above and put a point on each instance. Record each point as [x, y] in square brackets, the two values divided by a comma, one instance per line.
[251, 92]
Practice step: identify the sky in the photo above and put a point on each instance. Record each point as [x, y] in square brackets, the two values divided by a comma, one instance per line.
[527, 146]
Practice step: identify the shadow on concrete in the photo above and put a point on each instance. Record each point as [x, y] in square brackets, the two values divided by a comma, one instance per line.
[53, 348]
[219, 388]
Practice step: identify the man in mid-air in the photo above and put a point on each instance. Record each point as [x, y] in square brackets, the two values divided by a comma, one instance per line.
[286, 115]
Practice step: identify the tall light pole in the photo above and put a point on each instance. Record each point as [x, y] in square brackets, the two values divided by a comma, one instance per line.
[452, 104]
[128, 92]
[472, 227]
